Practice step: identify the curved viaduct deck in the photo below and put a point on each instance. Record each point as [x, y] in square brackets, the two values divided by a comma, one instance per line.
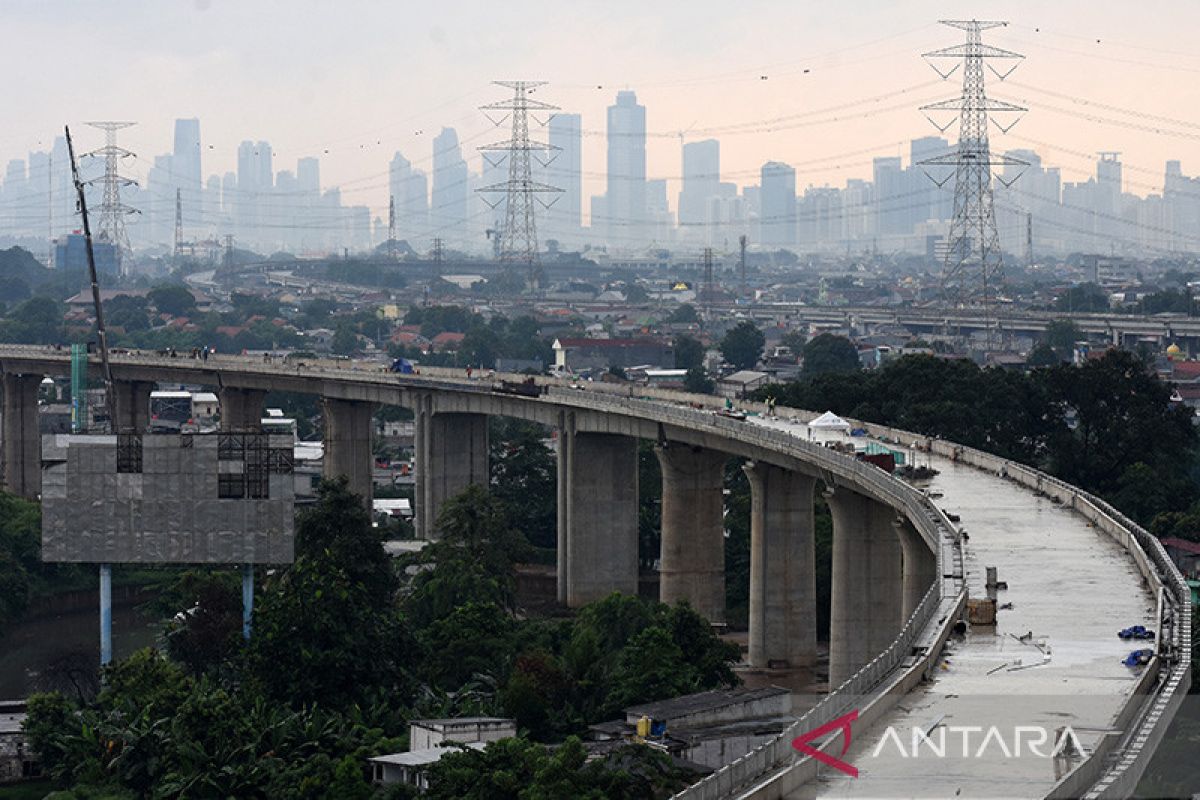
[1076, 571]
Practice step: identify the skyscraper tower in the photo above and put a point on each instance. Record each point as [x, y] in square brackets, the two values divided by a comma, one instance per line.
[777, 218]
[973, 267]
[625, 201]
[112, 211]
[566, 172]
[448, 209]
[186, 168]
[518, 237]
[701, 181]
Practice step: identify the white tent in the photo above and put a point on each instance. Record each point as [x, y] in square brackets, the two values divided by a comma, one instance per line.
[828, 427]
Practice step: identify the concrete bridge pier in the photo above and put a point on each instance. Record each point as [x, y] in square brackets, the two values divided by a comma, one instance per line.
[132, 401]
[452, 454]
[866, 605]
[241, 409]
[597, 515]
[919, 566]
[348, 444]
[783, 614]
[22, 440]
[693, 528]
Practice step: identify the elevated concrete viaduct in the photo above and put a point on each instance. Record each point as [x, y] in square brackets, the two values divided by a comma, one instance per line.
[899, 579]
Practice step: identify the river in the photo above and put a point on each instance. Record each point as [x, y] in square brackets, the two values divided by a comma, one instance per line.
[56, 645]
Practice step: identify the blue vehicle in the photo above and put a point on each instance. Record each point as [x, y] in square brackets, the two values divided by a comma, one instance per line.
[402, 366]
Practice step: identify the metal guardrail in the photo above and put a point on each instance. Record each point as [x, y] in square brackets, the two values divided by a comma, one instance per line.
[1175, 650]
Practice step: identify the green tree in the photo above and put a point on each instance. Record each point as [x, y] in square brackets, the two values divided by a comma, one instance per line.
[829, 353]
[174, 300]
[635, 293]
[689, 352]
[474, 559]
[743, 345]
[208, 631]
[1043, 355]
[38, 320]
[1123, 416]
[524, 477]
[330, 617]
[1061, 335]
[684, 313]
[1086, 297]
[345, 340]
[697, 381]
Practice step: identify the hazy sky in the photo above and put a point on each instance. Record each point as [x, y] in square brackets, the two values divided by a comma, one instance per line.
[353, 81]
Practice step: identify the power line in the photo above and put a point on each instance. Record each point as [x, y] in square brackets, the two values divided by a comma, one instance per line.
[974, 262]
[112, 210]
[518, 238]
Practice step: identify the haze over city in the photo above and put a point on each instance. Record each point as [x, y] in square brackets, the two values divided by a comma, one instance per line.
[513, 401]
[355, 83]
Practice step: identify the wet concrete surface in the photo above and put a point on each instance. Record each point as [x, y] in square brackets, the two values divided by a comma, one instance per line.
[1070, 586]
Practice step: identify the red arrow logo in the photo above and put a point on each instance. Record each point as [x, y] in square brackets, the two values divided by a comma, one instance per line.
[801, 743]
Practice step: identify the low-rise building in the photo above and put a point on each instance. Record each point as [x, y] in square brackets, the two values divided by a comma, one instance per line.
[712, 728]
[431, 739]
[17, 761]
[742, 383]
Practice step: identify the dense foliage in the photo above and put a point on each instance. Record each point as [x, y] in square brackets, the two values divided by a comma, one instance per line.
[347, 648]
[1107, 426]
[742, 345]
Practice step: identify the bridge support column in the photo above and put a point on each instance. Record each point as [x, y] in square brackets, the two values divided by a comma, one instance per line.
[242, 409]
[693, 528]
[866, 604]
[919, 566]
[132, 401]
[597, 515]
[783, 596]
[22, 440]
[348, 444]
[452, 454]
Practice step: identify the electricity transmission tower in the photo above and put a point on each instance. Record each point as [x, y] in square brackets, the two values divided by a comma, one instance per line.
[178, 222]
[518, 236]
[112, 211]
[391, 243]
[974, 266]
[710, 287]
[742, 263]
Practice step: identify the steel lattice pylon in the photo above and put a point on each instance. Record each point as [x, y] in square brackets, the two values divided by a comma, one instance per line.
[112, 210]
[973, 269]
[518, 237]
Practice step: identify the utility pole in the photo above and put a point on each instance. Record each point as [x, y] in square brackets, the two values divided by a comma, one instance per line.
[112, 211]
[709, 289]
[973, 268]
[437, 257]
[742, 262]
[518, 243]
[50, 210]
[1029, 239]
[178, 222]
[392, 227]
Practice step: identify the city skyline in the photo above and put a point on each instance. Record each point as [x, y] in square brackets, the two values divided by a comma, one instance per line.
[355, 107]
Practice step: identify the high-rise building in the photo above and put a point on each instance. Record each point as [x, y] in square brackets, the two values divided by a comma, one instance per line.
[890, 217]
[448, 209]
[186, 169]
[408, 188]
[625, 200]
[564, 217]
[701, 182]
[308, 175]
[777, 201]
